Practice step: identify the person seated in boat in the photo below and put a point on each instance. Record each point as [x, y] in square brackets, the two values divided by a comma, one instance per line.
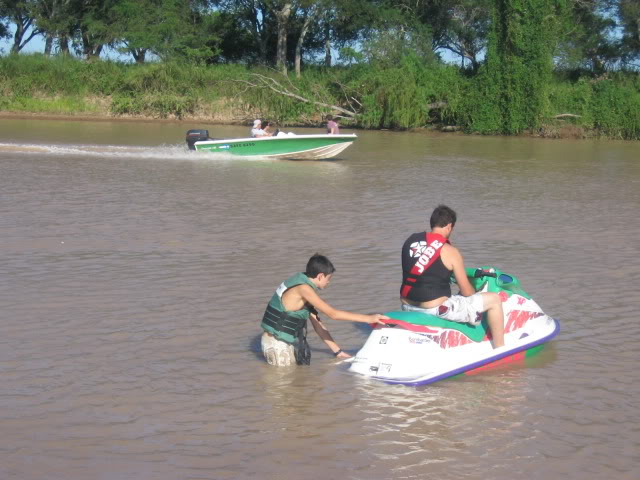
[428, 259]
[332, 126]
[257, 130]
[272, 130]
[295, 301]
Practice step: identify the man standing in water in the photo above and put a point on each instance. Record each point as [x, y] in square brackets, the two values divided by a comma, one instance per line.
[428, 259]
[284, 341]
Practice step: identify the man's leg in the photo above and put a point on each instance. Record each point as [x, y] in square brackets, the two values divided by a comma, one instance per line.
[495, 317]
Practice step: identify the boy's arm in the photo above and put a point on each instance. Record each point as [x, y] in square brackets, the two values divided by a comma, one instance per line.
[326, 337]
[309, 295]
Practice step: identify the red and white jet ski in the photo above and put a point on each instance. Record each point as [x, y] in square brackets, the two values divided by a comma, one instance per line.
[415, 348]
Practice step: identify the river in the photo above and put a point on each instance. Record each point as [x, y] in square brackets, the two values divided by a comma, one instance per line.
[133, 274]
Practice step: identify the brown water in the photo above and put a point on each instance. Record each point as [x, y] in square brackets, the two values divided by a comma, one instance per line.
[133, 274]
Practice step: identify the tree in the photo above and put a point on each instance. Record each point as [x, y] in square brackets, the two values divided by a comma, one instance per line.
[308, 17]
[467, 30]
[139, 23]
[55, 21]
[588, 39]
[517, 74]
[226, 38]
[629, 14]
[167, 28]
[347, 23]
[4, 30]
[22, 14]
[4, 27]
[282, 10]
[397, 30]
[254, 17]
[91, 26]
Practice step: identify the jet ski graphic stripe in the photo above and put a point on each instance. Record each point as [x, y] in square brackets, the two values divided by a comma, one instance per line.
[409, 326]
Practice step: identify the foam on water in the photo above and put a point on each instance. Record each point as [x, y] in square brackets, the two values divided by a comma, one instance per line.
[161, 152]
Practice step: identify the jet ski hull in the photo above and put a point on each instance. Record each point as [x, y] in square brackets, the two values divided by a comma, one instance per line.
[418, 349]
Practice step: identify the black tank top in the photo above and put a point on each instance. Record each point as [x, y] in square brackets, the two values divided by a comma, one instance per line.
[433, 282]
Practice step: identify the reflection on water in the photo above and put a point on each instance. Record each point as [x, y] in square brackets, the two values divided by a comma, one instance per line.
[135, 273]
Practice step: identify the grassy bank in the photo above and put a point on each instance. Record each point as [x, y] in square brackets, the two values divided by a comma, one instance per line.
[406, 96]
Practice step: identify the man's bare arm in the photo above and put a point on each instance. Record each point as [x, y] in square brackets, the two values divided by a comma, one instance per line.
[460, 274]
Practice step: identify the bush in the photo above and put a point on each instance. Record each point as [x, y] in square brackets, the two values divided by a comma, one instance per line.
[411, 93]
[610, 104]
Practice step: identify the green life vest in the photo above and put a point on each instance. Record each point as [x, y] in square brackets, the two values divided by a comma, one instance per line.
[282, 324]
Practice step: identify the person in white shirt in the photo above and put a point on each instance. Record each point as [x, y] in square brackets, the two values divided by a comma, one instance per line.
[257, 130]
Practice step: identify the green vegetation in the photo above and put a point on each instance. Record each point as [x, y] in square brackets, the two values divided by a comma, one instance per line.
[519, 65]
[544, 67]
[410, 95]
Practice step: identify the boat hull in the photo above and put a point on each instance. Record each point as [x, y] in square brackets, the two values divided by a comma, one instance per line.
[288, 147]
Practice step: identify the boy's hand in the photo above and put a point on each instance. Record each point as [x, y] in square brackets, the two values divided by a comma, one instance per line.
[378, 319]
[343, 355]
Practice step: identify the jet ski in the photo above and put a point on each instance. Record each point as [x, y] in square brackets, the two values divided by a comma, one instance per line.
[416, 348]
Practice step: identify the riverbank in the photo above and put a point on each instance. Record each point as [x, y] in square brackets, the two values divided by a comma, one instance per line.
[561, 131]
[410, 96]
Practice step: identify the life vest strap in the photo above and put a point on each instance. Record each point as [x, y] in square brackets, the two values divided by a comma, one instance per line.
[282, 322]
[414, 277]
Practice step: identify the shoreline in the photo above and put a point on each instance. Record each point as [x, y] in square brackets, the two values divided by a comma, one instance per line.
[104, 118]
[549, 132]
[189, 119]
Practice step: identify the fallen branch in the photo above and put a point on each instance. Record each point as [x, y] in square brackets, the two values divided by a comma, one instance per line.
[263, 81]
[436, 105]
[567, 115]
[347, 97]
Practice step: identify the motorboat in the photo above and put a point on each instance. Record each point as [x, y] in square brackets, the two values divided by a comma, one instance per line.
[283, 146]
[415, 348]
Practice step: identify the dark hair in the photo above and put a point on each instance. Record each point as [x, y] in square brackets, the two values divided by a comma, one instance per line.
[329, 117]
[443, 216]
[318, 264]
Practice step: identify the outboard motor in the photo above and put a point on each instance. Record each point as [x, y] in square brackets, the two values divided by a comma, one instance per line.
[194, 136]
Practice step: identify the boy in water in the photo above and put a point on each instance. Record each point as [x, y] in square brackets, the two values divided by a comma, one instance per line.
[284, 341]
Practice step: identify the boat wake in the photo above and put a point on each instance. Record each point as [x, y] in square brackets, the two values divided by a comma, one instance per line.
[162, 152]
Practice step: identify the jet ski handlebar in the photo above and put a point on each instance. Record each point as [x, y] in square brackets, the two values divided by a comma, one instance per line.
[481, 273]
[493, 279]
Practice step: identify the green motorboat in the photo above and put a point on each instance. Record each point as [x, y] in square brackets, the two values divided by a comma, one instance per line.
[281, 147]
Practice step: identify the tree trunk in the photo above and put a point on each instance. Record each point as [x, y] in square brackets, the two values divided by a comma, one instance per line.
[283, 23]
[90, 50]
[48, 45]
[327, 46]
[138, 54]
[258, 37]
[63, 45]
[303, 33]
[23, 24]
[17, 37]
